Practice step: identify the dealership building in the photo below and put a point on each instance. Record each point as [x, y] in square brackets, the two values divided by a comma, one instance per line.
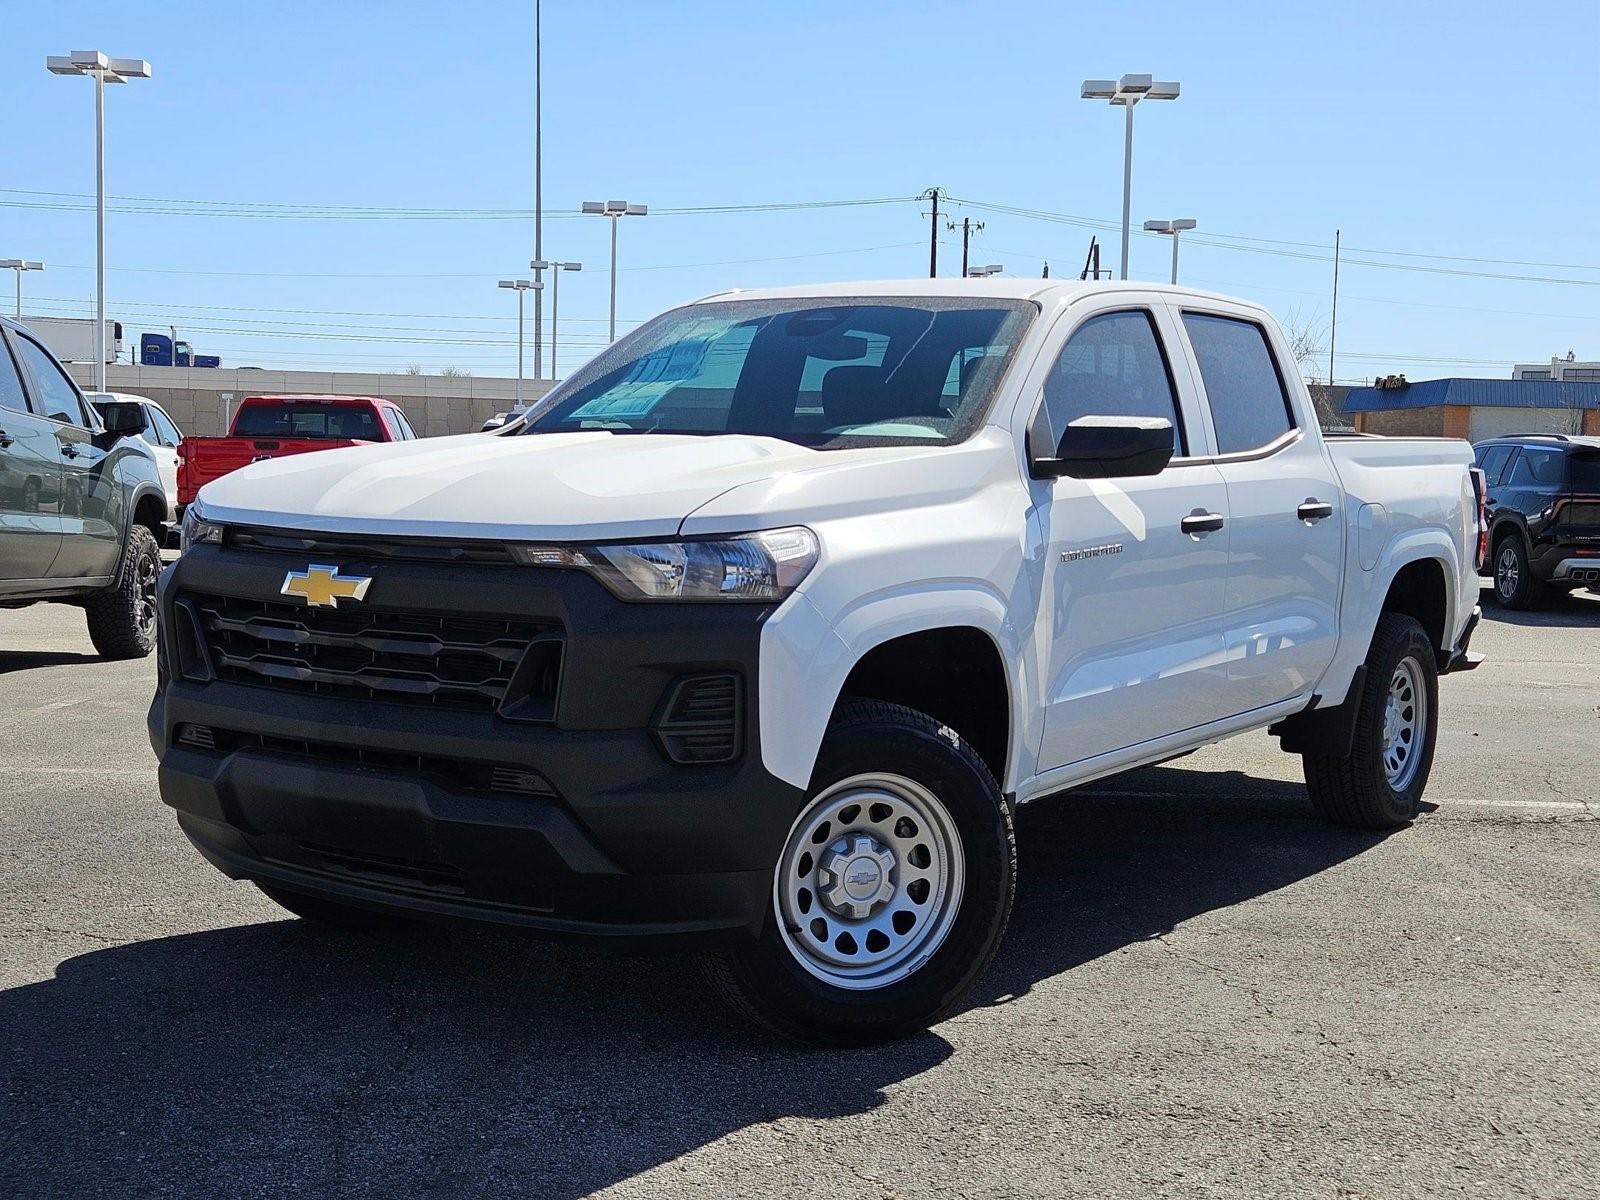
[1478, 408]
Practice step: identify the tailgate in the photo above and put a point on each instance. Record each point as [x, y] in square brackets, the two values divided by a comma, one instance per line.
[205, 459]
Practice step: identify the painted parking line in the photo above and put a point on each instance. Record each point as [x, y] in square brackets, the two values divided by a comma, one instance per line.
[1573, 805]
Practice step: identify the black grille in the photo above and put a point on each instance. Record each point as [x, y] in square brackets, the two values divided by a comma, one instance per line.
[456, 773]
[699, 721]
[366, 653]
[330, 547]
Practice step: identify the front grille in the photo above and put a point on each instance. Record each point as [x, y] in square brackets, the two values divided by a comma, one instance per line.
[699, 721]
[456, 773]
[374, 654]
[332, 547]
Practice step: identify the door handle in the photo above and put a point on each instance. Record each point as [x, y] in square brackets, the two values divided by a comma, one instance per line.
[5, 439]
[68, 450]
[1201, 522]
[1314, 510]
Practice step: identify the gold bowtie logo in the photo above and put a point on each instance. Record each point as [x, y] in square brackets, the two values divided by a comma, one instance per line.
[322, 586]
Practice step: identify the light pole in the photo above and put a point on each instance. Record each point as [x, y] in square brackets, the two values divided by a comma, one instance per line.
[1128, 91]
[615, 209]
[102, 70]
[520, 286]
[1172, 229]
[984, 272]
[555, 269]
[19, 265]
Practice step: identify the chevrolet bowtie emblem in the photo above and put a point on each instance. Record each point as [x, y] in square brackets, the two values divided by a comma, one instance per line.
[322, 586]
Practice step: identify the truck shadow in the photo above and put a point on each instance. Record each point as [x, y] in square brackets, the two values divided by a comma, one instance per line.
[32, 660]
[268, 1058]
[1560, 608]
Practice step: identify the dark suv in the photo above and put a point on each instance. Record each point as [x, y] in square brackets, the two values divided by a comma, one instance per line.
[1544, 511]
[81, 507]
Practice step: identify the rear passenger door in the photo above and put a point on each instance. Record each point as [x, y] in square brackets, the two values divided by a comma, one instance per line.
[1285, 509]
[30, 481]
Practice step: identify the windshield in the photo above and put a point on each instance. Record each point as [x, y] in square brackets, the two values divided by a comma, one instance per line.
[869, 372]
[310, 420]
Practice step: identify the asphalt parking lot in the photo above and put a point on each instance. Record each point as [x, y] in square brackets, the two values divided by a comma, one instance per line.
[1204, 992]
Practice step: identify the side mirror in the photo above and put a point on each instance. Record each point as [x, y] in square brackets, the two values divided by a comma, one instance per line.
[1109, 447]
[121, 417]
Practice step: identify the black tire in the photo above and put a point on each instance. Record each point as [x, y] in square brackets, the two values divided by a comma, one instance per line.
[324, 911]
[764, 979]
[1514, 584]
[122, 620]
[1357, 790]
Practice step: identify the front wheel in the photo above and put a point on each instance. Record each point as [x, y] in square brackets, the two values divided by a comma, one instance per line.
[1378, 785]
[892, 890]
[122, 621]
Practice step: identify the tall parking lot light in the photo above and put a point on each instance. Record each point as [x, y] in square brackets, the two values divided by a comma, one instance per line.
[520, 286]
[1128, 91]
[615, 209]
[102, 70]
[555, 269]
[19, 265]
[1173, 229]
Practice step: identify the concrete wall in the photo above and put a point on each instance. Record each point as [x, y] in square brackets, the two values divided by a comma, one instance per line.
[195, 398]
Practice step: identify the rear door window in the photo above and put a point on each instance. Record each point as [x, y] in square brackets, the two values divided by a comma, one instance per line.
[1244, 387]
[1536, 468]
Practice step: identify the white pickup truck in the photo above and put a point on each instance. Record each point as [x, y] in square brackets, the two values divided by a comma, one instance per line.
[762, 623]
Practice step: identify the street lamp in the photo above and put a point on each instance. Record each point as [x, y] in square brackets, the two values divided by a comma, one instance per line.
[614, 209]
[1173, 229]
[555, 269]
[1128, 91]
[102, 70]
[19, 265]
[520, 286]
[984, 272]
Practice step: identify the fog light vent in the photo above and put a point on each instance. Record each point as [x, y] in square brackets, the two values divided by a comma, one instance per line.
[199, 737]
[522, 782]
[700, 719]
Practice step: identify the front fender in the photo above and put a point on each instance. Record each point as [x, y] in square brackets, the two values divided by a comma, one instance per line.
[805, 661]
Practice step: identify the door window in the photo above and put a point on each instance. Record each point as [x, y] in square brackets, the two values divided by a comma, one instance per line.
[1113, 366]
[11, 394]
[165, 429]
[54, 395]
[1536, 469]
[406, 431]
[1493, 463]
[1249, 404]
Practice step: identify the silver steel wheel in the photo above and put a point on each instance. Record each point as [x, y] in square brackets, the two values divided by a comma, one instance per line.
[1507, 571]
[869, 881]
[1405, 724]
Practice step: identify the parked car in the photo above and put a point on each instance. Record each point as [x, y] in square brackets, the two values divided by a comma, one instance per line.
[144, 418]
[81, 506]
[1544, 506]
[769, 616]
[266, 427]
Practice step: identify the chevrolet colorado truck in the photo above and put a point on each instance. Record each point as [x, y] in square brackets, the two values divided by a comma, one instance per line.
[762, 623]
[276, 426]
[82, 509]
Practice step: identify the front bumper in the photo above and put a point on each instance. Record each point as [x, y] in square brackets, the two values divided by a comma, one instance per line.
[389, 804]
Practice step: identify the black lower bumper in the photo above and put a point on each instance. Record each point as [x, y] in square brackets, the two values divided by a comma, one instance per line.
[408, 807]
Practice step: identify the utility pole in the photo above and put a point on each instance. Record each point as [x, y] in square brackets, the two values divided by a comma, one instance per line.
[968, 227]
[933, 232]
[538, 186]
[1333, 321]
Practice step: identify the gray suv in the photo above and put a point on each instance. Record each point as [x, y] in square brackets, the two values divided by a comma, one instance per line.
[81, 506]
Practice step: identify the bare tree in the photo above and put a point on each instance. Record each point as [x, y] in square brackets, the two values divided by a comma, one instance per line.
[1308, 343]
[414, 369]
[455, 372]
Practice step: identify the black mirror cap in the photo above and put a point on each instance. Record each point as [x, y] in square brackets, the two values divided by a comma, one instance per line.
[121, 416]
[1098, 447]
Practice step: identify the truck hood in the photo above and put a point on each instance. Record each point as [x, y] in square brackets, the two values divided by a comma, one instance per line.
[557, 487]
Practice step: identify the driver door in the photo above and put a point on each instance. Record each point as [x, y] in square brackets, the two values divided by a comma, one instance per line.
[1135, 571]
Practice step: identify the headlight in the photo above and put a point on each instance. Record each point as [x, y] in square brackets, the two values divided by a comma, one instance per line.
[196, 530]
[764, 566]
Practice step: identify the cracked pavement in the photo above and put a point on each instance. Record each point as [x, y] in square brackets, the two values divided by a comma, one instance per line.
[1204, 993]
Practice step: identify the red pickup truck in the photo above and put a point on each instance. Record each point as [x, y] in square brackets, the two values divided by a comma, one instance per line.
[273, 426]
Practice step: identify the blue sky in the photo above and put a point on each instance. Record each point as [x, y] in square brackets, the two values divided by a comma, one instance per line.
[1464, 130]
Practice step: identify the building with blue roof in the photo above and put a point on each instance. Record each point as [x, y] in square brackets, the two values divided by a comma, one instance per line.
[1477, 408]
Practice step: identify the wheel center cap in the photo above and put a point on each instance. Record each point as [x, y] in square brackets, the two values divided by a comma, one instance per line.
[862, 878]
[854, 876]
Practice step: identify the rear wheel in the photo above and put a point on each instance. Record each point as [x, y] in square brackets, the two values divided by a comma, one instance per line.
[892, 890]
[1379, 784]
[1514, 584]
